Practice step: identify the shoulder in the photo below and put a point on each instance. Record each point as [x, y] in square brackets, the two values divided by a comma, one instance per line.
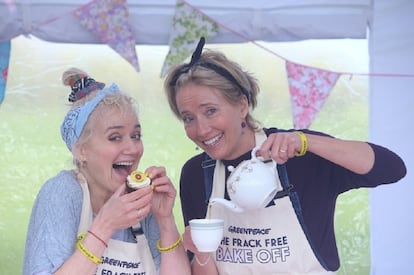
[53, 223]
[194, 164]
[195, 160]
[60, 194]
[64, 183]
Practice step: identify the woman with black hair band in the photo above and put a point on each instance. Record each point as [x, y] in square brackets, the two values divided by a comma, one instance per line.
[213, 97]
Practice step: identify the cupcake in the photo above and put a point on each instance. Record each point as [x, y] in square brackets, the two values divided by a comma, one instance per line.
[137, 180]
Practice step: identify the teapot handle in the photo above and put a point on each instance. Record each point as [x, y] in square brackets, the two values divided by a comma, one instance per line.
[254, 157]
[254, 150]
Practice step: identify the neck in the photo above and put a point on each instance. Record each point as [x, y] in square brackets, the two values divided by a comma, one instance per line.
[98, 195]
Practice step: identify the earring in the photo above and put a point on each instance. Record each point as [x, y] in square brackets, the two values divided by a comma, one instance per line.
[80, 163]
[243, 124]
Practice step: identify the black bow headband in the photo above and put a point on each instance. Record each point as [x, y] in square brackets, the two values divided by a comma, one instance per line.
[195, 58]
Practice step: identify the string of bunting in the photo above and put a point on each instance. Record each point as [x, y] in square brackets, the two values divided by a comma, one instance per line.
[108, 20]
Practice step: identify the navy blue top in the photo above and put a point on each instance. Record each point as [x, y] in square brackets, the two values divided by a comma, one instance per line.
[317, 181]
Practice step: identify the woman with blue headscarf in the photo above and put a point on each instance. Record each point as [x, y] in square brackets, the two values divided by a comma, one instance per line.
[83, 220]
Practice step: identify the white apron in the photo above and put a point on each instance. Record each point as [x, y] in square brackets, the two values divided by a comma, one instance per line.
[265, 241]
[119, 258]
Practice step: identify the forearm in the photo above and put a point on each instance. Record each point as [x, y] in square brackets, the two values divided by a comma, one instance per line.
[174, 261]
[79, 263]
[95, 242]
[355, 156]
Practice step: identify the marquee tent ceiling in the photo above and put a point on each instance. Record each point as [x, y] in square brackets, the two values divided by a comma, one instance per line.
[241, 20]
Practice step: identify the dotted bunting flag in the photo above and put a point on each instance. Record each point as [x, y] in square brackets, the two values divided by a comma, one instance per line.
[108, 20]
[309, 88]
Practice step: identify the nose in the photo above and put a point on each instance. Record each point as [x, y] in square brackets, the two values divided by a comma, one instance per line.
[133, 146]
[202, 127]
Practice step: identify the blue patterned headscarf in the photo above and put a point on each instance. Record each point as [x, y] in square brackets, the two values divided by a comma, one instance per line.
[75, 120]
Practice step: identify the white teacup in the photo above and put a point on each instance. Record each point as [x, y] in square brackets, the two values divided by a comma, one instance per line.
[206, 233]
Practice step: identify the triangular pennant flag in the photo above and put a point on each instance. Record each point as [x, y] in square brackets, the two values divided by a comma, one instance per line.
[188, 26]
[4, 67]
[309, 88]
[108, 20]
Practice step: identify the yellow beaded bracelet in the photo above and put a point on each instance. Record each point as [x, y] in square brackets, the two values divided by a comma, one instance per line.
[304, 142]
[85, 251]
[171, 247]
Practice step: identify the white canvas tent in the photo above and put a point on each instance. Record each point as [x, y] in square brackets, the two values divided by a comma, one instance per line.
[388, 25]
[266, 20]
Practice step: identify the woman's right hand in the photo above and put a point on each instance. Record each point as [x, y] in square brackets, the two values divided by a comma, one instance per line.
[123, 210]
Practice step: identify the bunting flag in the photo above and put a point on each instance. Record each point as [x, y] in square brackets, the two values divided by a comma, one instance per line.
[4, 67]
[108, 20]
[187, 28]
[11, 5]
[309, 88]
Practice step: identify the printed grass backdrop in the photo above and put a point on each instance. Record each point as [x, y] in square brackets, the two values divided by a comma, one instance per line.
[31, 149]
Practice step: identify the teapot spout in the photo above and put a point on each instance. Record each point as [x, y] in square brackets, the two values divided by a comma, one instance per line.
[228, 204]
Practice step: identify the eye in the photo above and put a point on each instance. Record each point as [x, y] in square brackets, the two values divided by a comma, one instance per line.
[137, 136]
[187, 119]
[211, 111]
[115, 137]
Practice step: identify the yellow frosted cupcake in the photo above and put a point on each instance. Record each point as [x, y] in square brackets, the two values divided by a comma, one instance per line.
[137, 180]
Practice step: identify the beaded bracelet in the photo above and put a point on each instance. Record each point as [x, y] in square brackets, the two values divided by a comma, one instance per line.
[98, 238]
[171, 247]
[304, 142]
[85, 251]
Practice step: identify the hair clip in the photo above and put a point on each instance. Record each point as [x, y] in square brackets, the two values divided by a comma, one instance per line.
[83, 86]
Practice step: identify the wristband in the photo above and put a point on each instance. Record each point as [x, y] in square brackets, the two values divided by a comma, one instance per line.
[85, 251]
[304, 143]
[171, 247]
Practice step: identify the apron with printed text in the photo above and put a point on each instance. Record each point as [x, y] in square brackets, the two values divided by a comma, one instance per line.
[264, 241]
[119, 257]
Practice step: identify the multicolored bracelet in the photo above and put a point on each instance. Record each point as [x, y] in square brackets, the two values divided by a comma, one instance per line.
[171, 247]
[85, 251]
[304, 142]
[98, 238]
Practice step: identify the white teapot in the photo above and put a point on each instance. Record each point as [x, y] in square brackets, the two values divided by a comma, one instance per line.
[251, 185]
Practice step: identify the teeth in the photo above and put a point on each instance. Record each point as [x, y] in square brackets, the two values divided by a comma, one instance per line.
[212, 141]
[124, 163]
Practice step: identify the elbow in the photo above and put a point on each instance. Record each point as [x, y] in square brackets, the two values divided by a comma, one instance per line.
[388, 166]
[401, 172]
[393, 170]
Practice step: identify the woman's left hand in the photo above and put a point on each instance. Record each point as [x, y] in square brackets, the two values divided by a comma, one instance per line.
[281, 146]
[164, 191]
